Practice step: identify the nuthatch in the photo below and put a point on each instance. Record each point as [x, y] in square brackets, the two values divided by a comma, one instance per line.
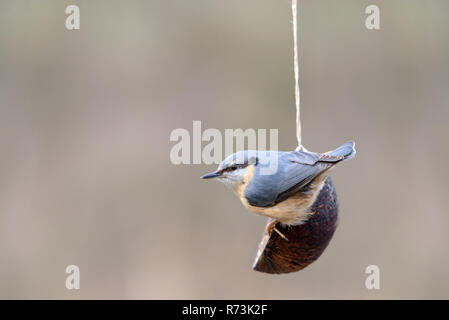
[286, 193]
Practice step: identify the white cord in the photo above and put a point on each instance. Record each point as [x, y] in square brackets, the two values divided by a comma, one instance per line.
[296, 69]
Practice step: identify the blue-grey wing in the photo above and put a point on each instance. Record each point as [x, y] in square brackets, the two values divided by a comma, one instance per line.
[262, 191]
[311, 158]
[297, 176]
[296, 170]
[301, 168]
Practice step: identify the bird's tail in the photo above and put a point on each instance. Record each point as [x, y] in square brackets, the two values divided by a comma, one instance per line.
[346, 150]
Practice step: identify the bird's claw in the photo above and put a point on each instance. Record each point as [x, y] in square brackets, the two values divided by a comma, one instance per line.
[272, 227]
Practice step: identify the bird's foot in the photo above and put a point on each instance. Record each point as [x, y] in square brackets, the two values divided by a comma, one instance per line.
[272, 227]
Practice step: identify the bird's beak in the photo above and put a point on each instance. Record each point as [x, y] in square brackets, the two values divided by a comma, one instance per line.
[211, 175]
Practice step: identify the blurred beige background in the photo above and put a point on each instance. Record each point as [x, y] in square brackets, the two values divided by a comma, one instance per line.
[85, 119]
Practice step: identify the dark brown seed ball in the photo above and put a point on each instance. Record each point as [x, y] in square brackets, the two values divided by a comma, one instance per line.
[306, 242]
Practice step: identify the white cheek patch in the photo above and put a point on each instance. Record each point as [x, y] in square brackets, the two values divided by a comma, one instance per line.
[234, 178]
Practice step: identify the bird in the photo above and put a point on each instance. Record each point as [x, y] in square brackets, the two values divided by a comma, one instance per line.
[281, 185]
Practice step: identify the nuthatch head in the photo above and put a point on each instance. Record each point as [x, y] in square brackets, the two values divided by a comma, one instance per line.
[279, 185]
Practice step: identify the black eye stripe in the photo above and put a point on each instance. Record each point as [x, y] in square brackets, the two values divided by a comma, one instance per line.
[236, 166]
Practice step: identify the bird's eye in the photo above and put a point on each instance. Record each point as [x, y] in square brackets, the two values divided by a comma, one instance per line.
[232, 168]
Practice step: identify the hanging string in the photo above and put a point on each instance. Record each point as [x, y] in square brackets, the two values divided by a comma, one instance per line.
[296, 69]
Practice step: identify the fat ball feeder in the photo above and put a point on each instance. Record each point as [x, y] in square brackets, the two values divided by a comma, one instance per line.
[298, 196]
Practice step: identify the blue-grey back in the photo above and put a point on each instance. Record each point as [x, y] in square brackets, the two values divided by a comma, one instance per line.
[295, 169]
